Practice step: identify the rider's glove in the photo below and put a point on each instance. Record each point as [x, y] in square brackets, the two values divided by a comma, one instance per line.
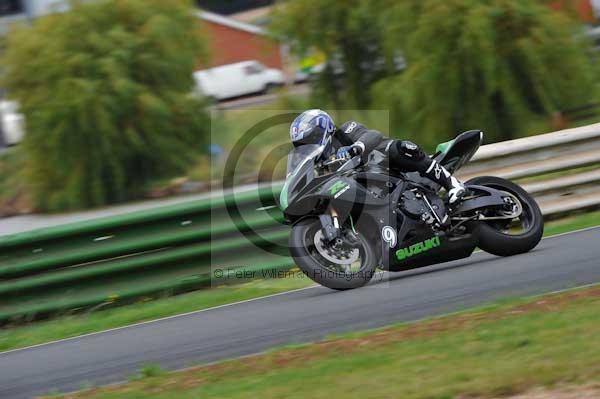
[350, 150]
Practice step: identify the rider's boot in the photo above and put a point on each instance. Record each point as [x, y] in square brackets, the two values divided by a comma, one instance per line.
[456, 190]
[406, 155]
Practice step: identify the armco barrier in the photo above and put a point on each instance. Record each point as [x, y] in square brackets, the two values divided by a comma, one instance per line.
[178, 248]
[156, 251]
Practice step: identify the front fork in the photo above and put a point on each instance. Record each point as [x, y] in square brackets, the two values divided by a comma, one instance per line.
[330, 225]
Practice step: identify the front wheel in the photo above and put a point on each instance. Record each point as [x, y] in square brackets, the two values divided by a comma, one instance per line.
[510, 237]
[348, 262]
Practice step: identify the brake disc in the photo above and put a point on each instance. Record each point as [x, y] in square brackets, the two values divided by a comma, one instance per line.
[515, 203]
[339, 256]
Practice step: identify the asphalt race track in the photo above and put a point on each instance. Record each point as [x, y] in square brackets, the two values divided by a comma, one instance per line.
[305, 315]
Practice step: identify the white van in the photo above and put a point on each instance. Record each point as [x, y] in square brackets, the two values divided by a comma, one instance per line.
[237, 79]
[12, 123]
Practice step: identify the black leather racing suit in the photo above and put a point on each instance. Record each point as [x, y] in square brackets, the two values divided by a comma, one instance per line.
[403, 155]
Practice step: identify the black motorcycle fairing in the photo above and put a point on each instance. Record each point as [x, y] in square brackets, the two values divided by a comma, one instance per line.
[354, 198]
[460, 151]
[380, 221]
[446, 249]
[301, 180]
[340, 191]
[355, 201]
[367, 197]
[369, 200]
[412, 231]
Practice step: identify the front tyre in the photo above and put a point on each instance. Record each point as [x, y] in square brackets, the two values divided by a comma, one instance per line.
[506, 238]
[349, 263]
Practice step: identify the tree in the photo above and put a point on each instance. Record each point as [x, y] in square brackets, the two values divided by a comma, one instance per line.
[489, 64]
[348, 33]
[106, 91]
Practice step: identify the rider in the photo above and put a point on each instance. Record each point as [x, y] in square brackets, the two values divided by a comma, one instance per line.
[317, 127]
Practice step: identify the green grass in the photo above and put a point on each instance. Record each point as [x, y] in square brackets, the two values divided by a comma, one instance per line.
[488, 352]
[150, 370]
[572, 223]
[70, 326]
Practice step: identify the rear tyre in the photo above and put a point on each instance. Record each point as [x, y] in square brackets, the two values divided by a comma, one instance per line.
[320, 268]
[496, 237]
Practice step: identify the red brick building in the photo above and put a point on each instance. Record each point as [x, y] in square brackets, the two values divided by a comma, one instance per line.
[585, 9]
[234, 41]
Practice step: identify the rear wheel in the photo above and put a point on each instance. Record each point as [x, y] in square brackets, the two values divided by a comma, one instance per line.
[348, 262]
[513, 236]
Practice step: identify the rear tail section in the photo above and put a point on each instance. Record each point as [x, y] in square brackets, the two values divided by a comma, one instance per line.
[454, 154]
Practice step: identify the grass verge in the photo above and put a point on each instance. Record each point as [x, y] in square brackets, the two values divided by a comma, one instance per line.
[498, 350]
[572, 223]
[72, 326]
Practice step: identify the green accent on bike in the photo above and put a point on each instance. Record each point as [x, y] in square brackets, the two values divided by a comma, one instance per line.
[418, 248]
[443, 147]
[337, 186]
[283, 196]
[352, 224]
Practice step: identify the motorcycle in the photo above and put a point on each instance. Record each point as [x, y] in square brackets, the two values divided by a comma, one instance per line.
[350, 217]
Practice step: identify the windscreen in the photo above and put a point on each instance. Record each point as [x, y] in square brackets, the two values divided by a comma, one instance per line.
[301, 155]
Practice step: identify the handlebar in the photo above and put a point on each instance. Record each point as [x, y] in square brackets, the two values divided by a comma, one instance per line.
[335, 160]
[347, 163]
